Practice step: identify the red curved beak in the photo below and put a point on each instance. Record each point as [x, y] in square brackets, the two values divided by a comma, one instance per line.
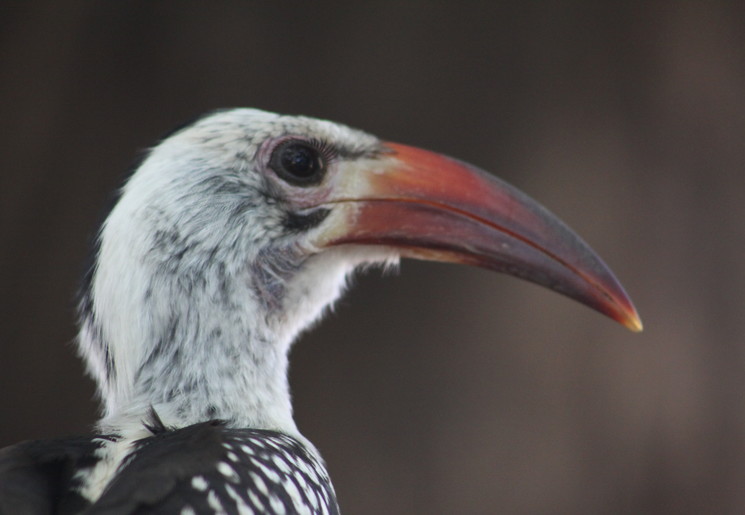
[432, 207]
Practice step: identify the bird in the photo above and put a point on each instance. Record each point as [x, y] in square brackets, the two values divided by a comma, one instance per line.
[235, 234]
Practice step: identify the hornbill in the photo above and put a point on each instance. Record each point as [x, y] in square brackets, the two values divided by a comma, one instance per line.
[234, 235]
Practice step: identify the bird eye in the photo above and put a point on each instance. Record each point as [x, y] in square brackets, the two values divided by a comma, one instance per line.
[298, 163]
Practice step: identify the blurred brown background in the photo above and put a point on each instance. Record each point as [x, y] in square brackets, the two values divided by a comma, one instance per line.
[440, 389]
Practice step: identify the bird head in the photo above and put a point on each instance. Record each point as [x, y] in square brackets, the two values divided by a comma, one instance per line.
[237, 231]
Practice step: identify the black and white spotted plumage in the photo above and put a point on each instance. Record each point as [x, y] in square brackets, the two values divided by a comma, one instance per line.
[202, 468]
[234, 235]
[210, 468]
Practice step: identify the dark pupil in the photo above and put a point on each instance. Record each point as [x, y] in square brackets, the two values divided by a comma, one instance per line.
[299, 160]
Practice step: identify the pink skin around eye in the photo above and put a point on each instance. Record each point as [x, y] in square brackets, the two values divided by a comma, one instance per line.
[302, 197]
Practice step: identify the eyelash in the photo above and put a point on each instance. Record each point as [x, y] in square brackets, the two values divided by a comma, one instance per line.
[327, 150]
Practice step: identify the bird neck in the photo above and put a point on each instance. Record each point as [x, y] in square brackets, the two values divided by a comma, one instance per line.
[195, 345]
[216, 363]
